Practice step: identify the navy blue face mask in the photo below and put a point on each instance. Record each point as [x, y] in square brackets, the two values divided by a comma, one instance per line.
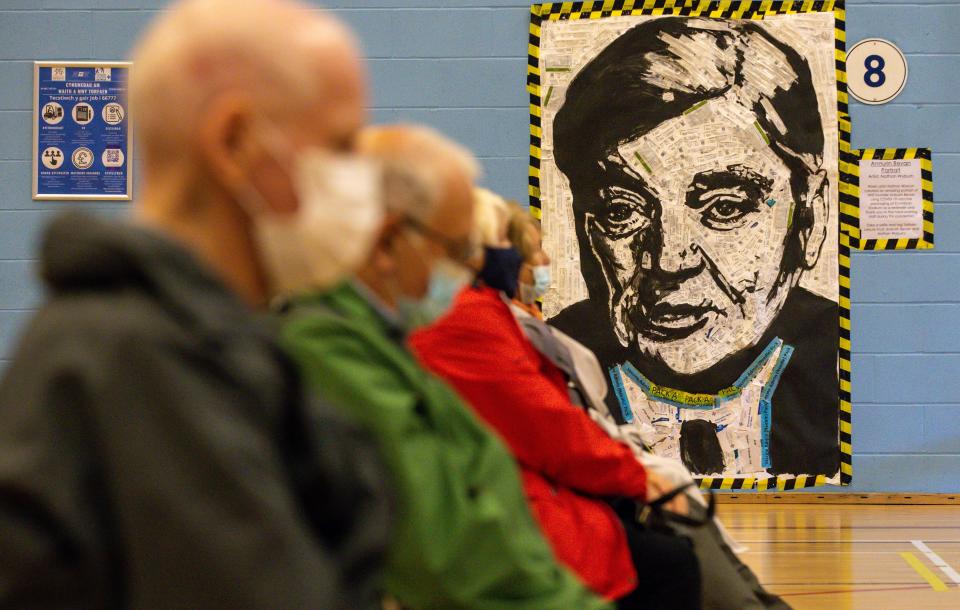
[501, 269]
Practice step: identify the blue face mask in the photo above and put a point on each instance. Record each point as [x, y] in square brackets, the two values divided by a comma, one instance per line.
[447, 279]
[529, 293]
[501, 269]
[541, 280]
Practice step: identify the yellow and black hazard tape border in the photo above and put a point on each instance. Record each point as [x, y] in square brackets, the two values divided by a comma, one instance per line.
[850, 198]
[723, 9]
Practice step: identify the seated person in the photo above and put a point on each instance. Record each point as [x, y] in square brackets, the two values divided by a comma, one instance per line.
[569, 465]
[157, 449]
[727, 582]
[578, 363]
[523, 230]
[464, 536]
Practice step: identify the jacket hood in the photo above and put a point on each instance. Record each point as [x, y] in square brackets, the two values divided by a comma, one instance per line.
[81, 252]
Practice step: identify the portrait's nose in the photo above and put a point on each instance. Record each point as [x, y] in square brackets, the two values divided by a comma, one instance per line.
[677, 252]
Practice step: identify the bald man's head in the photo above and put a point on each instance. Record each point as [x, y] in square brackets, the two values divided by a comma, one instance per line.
[427, 173]
[429, 196]
[285, 63]
[247, 112]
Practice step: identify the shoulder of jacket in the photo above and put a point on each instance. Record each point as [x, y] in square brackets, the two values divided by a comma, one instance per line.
[107, 320]
[326, 332]
[488, 308]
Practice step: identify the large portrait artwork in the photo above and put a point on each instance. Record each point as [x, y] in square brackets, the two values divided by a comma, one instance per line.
[687, 178]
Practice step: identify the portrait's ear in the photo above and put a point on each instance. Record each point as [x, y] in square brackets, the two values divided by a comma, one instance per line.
[818, 196]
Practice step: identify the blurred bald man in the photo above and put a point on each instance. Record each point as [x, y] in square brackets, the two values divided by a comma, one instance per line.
[157, 449]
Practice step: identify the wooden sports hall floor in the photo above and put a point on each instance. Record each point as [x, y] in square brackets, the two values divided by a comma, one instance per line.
[839, 557]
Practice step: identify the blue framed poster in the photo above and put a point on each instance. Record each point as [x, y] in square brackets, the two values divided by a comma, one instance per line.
[82, 138]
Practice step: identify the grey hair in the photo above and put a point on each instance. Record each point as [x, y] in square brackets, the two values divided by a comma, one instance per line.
[418, 165]
[408, 191]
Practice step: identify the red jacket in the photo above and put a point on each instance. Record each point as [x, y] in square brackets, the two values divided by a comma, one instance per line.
[565, 459]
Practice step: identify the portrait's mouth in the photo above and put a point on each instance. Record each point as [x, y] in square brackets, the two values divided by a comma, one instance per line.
[668, 322]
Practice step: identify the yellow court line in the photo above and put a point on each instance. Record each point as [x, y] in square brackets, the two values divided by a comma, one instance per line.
[924, 571]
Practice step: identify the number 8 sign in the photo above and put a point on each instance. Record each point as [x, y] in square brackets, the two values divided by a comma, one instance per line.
[876, 71]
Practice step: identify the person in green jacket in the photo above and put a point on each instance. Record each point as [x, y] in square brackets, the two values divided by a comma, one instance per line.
[464, 537]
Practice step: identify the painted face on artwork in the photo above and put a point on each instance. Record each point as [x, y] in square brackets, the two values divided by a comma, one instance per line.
[690, 234]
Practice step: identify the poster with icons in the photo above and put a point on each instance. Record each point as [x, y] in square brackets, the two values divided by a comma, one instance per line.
[82, 138]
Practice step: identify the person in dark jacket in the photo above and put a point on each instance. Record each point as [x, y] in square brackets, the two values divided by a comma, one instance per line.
[157, 448]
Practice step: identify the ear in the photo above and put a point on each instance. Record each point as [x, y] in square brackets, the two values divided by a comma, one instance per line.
[812, 238]
[226, 142]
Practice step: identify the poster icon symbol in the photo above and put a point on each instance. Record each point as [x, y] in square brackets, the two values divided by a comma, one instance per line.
[113, 114]
[102, 74]
[52, 157]
[52, 113]
[58, 73]
[82, 113]
[82, 158]
[112, 157]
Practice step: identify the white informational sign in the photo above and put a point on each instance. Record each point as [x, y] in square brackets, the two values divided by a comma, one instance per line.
[891, 199]
[876, 71]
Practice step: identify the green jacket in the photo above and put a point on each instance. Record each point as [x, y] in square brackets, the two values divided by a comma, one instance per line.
[464, 536]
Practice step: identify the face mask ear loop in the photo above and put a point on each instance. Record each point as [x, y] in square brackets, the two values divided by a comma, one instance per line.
[250, 200]
[526, 293]
[405, 232]
[247, 196]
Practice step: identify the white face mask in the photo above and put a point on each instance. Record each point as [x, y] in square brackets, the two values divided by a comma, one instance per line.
[331, 233]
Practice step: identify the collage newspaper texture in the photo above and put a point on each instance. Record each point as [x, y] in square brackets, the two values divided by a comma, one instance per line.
[687, 177]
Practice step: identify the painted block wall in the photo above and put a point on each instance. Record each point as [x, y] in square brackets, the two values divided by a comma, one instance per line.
[459, 65]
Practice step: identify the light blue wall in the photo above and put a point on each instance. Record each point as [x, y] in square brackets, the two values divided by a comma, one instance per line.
[460, 65]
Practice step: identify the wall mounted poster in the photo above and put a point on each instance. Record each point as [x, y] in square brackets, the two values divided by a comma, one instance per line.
[81, 131]
[872, 213]
[685, 164]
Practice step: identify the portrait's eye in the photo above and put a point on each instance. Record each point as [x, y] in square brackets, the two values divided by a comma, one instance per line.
[623, 213]
[619, 212]
[727, 210]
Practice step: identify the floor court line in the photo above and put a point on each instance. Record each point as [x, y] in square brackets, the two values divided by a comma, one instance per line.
[848, 569]
[839, 551]
[884, 541]
[842, 528]
[937, 561]
[841, 591]
[797, 583]
[924, 572]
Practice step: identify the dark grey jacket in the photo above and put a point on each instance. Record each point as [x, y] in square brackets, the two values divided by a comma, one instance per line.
[156, 450]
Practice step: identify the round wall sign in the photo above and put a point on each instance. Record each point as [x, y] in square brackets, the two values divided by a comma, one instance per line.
[876, 71]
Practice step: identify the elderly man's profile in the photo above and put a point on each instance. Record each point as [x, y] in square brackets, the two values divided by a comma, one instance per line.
[695, 154]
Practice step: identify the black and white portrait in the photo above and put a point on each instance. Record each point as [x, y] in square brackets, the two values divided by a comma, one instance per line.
[689, 201]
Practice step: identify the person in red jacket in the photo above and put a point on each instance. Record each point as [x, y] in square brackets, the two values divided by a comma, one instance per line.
[570, 467]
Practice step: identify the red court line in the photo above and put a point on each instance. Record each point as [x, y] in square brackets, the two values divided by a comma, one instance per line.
[853, 591]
